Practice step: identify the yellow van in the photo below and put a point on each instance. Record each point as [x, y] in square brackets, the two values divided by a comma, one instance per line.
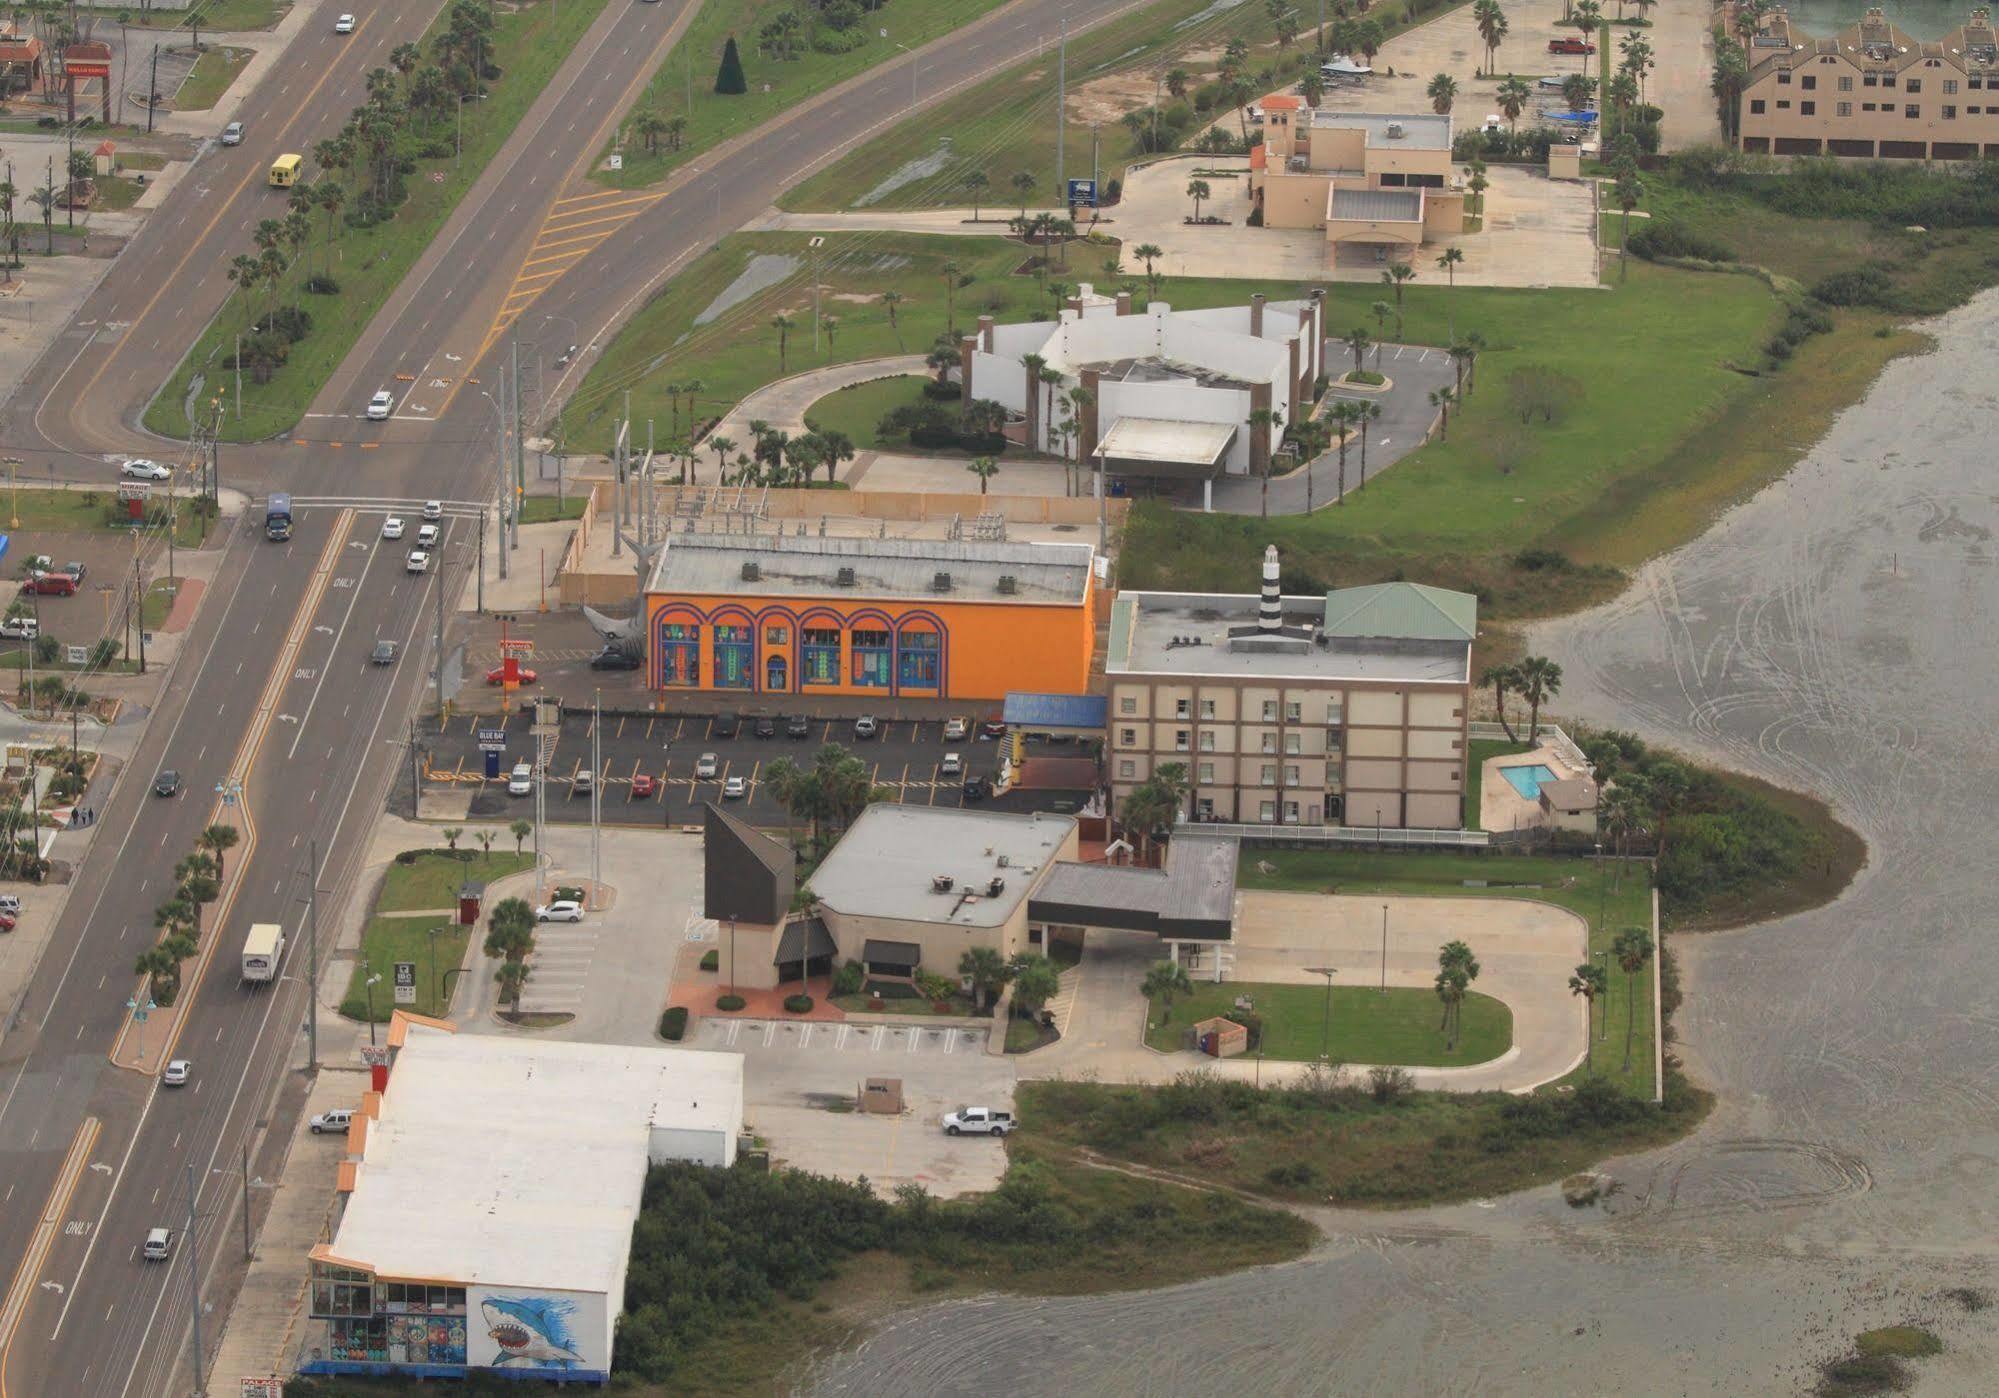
[284, 171]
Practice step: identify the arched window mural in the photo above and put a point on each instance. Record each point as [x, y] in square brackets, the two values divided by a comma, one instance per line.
[872, 639]
[775, 673]
[679, 647]
[919, 653]
[735, 649]
[819, 648]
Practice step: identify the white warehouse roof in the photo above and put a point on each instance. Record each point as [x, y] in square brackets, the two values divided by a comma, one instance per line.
[511, 1162]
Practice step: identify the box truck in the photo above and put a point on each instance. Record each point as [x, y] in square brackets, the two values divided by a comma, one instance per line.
[261, 950]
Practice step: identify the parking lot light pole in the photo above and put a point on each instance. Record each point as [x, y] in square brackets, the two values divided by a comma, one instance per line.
[1326, 1019]
[1384, 948]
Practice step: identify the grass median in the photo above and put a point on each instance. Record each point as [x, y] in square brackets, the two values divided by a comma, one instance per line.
[1362, 1025]
[369, 263]
[683, 89]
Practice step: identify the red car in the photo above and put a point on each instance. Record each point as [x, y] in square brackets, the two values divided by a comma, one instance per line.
[498, 675]
[6, 922]
[52, 584]
[1570, 46]
[643, 787]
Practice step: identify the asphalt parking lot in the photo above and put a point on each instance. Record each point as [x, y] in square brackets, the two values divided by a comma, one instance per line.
[906, 759]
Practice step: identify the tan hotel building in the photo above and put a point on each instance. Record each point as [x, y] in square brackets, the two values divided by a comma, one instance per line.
[1872, 91]
[1345, 708]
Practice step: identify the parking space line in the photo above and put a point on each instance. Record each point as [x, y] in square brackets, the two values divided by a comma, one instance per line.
[915, 1036]
[770, 1033]
[874, 1044]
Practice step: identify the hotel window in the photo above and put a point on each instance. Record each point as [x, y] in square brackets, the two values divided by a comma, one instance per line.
[1846, 84]
[1915, 85]
[1207, 771]
[1290, 812]
[735, 652]
[1974, 83]
[1756, 106]
[1267, 812]
[1291, 774]
[1269, 774]
[1127, 704]
[1207, 708]
[1867, 106]
[777, 635]
[1125, 768]
[1949, 112]
[822, 654]
[1207, 740]
[1269, 742]
[871, 659]
[1869, 80]
[1808, 82]
[919, 662]
[1911, 111]
[1291, 741]
[1294, 712]
[1127, 737]
[680, 654]
[1808, 108]
[1783, 79]
[1889, 81]
[1843, 109]
[1179, 708]
[1270, 711]
[1783, 106]
[1179, 740]
[1950, 87]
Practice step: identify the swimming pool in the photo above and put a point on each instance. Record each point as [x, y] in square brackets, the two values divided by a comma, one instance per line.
[1527, 780]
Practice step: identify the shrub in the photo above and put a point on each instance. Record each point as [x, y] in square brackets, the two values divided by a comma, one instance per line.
[711, 960]
[729, 79]
[1386, 1084]
[847, 980]
[729, 1004]
[319, 284]
[942, 392]
[1541, 561]
[795, 1004]
[1663, 238]
[1294, 1174]
[1865, 285]
[1251, 1021]
[673, 1024]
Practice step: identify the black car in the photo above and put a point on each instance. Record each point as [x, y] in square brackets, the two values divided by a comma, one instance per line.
[76, 570]
[991, 730]
[978, 788]
[726, 726]
[616, 658]
[764, 727]
[798, 726]
[167, 783]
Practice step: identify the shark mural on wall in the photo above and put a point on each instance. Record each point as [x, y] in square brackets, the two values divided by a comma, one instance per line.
[531, 1330]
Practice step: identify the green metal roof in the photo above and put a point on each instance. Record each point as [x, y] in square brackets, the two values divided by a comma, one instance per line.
[1403, 610]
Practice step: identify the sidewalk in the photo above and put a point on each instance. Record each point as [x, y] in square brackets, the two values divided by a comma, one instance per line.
[783, 404]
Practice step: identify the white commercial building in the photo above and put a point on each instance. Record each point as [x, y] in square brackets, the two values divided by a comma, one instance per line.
[491, 1185]
[1168, 395]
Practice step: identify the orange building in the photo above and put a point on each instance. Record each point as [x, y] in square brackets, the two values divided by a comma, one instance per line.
[869, 618]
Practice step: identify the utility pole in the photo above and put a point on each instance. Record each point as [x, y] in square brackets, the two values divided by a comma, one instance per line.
[480, 597]
[312, 941]
[501, 519]
[813, 245]
[239, 374]
[1062, 110]
[246, 1198]
[416, 780]
[596, 787]
[440, 637]
[194, 1280]
[139, 605]
[520, 454]
[1096, 195]
[152, 89]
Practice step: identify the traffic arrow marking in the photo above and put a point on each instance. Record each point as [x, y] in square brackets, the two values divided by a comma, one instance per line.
[100, 1167]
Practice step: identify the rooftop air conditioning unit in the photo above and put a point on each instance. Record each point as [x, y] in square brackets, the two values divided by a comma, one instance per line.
[1008, 584]
[941, 883]
[996, 887]
[752, 570]
[940, 582]
[1004, 860]
[1298, 162]
[844, 578]
[1395, 131]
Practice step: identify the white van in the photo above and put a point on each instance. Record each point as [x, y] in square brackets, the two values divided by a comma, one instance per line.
[159, 1245]
[520, 781]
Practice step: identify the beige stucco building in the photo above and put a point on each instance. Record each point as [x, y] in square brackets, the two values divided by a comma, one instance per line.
[1872, 91]
[1343, 708]
[1379, 184]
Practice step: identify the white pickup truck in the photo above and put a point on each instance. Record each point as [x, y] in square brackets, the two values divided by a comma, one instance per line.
[978, 1121]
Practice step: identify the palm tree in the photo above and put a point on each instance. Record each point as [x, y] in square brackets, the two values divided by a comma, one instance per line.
[1586, 18]
[1629, 192]
[1632, 948]
[786, 783]
[1149, 254]
[1588, 981]
[1035, 981]
[1449, 259]
[1357, 341]
[218, 839]
[1164, 980]
[1540, 680]
[520, 830]
[1491, 23]
[1341, 417]
[1501, 678]
[1023, 183]
[510, 930]
[1440, 399]
[831, 325]
[649, 125]
[988, 972]
[1577, 90]
[951, 272]
[1397, 274]
[1457, 968]
[1514, 98]
[1261, 420]
[1176, 82]
[1442, 92]
[1363, 414]
[721, 446]
[1197, 190]
[452, 834]
[1312, 86]
[1477, 183]
[782, 324]
[985, 468]
[892, 303]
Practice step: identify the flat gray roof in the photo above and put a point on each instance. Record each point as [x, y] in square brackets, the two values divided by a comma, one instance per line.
[1420, 130]
[885, 863]
[1192, 897]
[1187, 633]
[793, 565]
[1378, 205]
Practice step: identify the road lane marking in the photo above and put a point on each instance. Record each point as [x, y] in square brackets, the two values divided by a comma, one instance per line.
[27, 1276]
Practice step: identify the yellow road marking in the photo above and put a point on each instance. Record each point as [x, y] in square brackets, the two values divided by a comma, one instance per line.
[30, 1270]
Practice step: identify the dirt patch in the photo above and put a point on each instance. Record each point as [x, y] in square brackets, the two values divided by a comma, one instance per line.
[859, 297]
[1108, 98]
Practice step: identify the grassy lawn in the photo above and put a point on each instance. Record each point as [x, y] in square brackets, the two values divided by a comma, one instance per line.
[1477, 751]
[1366, 1026]
[1605, 901]
[1007, 123]
[210, 78]
[114, 192]
[434, 879]
[160, 594]
[736, 350]
[544, 509]
[528, 45]
[775, 85]
[856, 410]
[221, 15]
[388, 940]
[73, 512]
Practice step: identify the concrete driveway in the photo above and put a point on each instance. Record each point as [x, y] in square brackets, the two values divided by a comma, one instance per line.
[1538, 232]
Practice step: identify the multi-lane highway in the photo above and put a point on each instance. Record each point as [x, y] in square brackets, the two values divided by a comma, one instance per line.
[273, 686]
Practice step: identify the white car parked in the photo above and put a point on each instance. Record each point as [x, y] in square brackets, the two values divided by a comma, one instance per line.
[381, 405]
[561, 911]
[139, 468]
[520, 781]
[707, 766]
[392, 528]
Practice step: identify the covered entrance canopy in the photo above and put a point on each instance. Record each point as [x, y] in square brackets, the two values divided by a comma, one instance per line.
[1191, 900]
[1166, 449]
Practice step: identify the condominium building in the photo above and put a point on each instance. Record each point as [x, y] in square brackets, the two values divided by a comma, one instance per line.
[1346, 707]
[1872, 91]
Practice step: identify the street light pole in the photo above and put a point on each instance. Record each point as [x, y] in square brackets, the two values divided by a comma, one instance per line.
[194, 1280]
[1384, 948]
[1325, 1019]
[312, 954]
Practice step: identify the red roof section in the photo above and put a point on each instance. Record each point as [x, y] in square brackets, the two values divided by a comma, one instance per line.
[1280, 102]
[1258, 157]
[106, 148]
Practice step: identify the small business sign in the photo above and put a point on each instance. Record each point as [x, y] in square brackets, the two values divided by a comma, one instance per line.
[405, 982]
[76, 655]
[1083, 193]
[492, 740]
[262, 1388]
